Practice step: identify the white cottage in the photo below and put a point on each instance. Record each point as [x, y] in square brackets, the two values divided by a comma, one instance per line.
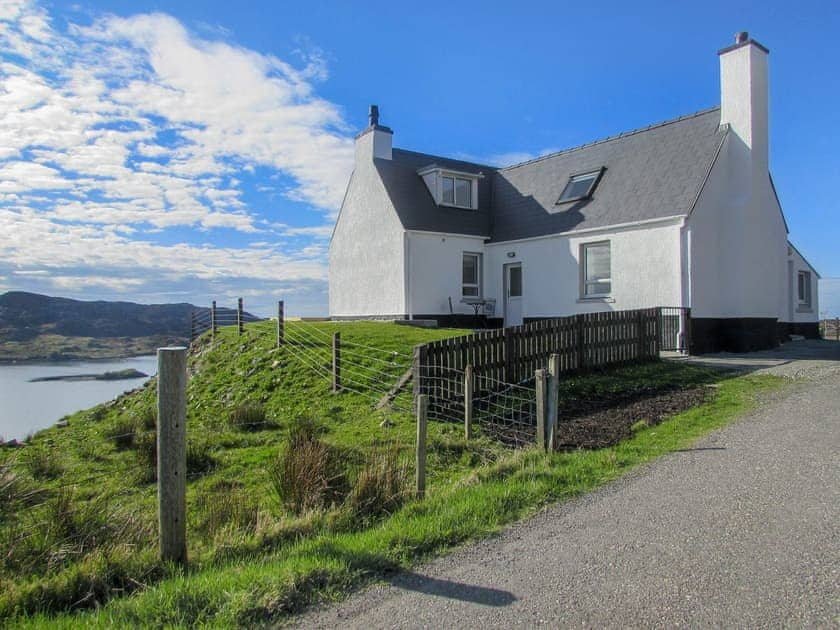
[682, 213]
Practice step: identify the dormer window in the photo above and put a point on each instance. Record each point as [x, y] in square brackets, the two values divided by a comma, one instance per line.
[580, 186]
[452, 188]
[456, 191]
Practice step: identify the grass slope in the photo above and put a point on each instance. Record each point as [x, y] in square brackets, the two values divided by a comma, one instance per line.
[252, 561]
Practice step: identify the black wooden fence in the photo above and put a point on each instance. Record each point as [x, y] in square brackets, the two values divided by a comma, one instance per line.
[511, 355]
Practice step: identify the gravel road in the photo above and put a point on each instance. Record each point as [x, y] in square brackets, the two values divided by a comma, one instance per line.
[742, 530]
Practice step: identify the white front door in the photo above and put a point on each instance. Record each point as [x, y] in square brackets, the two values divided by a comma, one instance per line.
[513, 294]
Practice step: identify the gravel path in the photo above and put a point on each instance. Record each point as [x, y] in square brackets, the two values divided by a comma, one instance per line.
[742, 530]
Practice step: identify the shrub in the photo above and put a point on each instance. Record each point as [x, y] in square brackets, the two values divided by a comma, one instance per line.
[199, 457]
[145, 445]
[382, 485]
[16, 492]
[43, 463]
[308, 473]
[228, 505]
[123, 433]
[247, 417]
[147, 418]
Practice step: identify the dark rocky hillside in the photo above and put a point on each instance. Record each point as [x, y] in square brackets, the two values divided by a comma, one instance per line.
[24, 316]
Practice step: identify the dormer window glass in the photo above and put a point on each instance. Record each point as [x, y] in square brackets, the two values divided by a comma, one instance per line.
[580, 186]
[456, 191]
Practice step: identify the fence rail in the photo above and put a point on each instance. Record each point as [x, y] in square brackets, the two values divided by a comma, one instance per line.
[511, 355]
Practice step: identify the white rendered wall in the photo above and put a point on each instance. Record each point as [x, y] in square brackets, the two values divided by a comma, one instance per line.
[645, 269]
[366, 251]
[435, 272]
[801, 313]
[738, 243]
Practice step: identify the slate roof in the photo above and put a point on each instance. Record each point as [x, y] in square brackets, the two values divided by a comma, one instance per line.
[650, 173]
[414, 203]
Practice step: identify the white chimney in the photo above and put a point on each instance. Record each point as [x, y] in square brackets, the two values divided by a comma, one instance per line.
[744, 97]
[375, 141]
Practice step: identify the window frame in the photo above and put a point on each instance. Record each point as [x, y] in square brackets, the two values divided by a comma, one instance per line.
[478, 284]
[596, 177]
[803, 280]
[473, 188]
[584, 263]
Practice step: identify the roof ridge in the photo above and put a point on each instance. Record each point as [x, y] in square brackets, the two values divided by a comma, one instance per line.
[619, 136]
[448, 159]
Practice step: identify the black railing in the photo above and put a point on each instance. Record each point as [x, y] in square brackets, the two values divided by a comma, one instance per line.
[675, 329]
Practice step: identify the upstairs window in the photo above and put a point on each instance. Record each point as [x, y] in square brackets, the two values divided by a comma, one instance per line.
[597, 279]
[456, 191]
[471, 275]
[804, 288]
[580, 186]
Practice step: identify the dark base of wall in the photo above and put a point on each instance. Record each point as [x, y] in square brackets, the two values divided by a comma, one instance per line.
[733, 334]
[459, 320]
[456, 320]
[809, 330]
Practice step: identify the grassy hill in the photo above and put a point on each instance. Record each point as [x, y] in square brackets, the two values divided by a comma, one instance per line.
[295, 494]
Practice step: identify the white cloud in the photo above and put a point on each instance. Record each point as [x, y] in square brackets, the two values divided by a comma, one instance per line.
[116, 132]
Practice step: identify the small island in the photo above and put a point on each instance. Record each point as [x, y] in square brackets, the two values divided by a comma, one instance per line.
[118, 375]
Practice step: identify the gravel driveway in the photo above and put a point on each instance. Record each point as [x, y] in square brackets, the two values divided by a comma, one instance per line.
[742, 530]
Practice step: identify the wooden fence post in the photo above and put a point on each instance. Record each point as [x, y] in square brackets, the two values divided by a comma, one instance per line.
[539, 377]
[172, 453]
[419, 366]
[581, 333]
[192, 325]
[553, 398]
[640, 346]
[336, 361]
[468, 401]
[509, 363]
[280, 324]
[239, 315]
[213, 319]
[422, 410]
[657, 325]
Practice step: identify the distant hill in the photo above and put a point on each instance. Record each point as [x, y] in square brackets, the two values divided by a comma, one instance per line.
[34, 326]
[24, 316]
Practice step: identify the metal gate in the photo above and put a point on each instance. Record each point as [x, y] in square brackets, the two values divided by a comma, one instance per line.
[675, 329]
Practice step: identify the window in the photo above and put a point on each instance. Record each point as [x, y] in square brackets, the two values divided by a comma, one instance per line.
[456, 191]
[580, 186]
[471, 275]
[596, 269]
[805, 288]
[515, 281]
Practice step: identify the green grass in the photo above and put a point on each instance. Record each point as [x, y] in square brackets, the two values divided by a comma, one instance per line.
[252, 559]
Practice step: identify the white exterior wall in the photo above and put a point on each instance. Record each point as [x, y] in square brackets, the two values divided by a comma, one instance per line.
[645, 269]
[799, 313]
[738, 243]
[367, 251]
[435, 272]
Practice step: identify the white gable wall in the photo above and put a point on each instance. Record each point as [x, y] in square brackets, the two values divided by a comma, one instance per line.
[367, 251]
[738, 243]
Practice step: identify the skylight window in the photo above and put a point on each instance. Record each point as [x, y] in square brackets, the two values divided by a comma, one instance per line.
[580, 186]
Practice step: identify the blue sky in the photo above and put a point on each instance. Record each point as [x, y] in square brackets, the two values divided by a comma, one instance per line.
[184, 151]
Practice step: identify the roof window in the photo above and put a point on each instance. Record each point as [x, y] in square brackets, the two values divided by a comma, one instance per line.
[580, 186]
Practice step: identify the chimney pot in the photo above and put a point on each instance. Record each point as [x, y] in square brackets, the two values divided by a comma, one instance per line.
[373, 116]
[741, 37]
